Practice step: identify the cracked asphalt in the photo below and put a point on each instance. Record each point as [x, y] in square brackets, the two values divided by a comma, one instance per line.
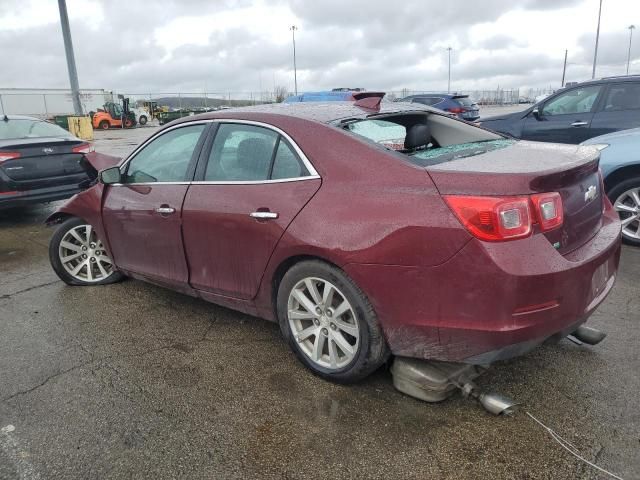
[135, 381]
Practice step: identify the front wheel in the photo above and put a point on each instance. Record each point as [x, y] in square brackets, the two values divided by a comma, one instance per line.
[143, 120]
[78, 256]
[329, 323]
[625, 197]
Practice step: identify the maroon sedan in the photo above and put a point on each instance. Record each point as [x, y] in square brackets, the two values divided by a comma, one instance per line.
[364, 229]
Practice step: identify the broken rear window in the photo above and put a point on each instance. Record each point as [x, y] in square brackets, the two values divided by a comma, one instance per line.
[434, 156]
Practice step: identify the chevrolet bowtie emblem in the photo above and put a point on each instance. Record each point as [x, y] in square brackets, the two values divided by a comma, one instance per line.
[591, 193]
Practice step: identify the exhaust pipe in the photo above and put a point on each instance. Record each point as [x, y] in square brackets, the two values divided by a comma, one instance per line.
[589, 335]
[494, 403]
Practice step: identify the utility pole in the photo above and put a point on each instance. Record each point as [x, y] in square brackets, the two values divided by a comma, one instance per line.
[564, 69]
[71, 61]
[449, 80]
[595, 53]
[293, 29]
[631, 27]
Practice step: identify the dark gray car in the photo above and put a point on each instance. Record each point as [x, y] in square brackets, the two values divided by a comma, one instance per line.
[577, 113]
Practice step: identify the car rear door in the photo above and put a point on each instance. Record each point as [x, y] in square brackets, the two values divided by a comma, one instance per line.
[252, 180]
[620, 109]
[142, 216]
[564, 118]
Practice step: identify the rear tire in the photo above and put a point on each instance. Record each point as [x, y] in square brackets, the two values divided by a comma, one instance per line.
[329, 323]
[625, 197]
[78, 256]
[104, 125]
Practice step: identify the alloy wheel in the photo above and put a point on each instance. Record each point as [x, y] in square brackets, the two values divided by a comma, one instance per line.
[323, 323]
[83, 256]
[628, 207]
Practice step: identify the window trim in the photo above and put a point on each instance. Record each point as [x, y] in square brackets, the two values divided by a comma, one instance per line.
[313, 173]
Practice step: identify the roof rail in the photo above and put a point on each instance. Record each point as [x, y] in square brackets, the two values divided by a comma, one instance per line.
[621, 76]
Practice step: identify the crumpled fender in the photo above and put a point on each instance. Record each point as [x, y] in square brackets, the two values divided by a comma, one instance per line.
[86, 205]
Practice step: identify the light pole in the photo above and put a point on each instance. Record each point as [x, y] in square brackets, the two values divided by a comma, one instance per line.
[631, 27]
[595, 53]
[293, 29]
[564, 68]
[449, 78]
[71, 61]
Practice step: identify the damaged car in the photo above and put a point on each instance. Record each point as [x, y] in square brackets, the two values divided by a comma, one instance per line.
[365, 229]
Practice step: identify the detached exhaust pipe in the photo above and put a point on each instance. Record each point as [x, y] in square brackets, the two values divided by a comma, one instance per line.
[433, 381]
[589, 335]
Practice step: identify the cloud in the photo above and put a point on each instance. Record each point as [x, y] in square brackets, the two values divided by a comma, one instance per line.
[243, 45]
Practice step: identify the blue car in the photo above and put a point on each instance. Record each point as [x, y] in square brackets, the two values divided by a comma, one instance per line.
[460, 105]
[620, 165]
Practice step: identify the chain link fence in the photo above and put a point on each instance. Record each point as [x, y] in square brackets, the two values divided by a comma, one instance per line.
[48, 104]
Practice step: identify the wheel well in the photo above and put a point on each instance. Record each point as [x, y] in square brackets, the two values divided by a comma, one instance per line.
[620, 175]
[280, 272]
[57, 218]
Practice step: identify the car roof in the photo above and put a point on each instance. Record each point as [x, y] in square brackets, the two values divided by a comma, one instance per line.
[614, 79]
[315, 111]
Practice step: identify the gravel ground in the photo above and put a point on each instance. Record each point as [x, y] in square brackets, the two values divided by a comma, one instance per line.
[134, 381]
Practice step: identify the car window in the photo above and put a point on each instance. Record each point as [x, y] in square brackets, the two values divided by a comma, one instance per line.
[166, 158]
[241, 153]
[578, 100]
[387, 133]
[463, 101]
[428, 100]
[26, 128]
[286, 163]
[624, 96]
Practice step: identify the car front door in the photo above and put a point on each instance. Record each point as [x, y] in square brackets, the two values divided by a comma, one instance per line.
[564, 118]
[142, 215]
[620, 109]
[251, 182]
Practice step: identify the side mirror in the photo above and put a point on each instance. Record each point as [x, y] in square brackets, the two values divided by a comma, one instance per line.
[536, 113]
[109, 176]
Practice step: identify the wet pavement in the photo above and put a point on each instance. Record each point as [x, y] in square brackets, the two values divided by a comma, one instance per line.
[134, 381]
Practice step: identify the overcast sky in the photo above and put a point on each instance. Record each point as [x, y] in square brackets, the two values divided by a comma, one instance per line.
[138, 46]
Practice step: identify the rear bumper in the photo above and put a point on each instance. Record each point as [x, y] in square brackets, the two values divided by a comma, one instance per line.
[491, 301]
[41, 195]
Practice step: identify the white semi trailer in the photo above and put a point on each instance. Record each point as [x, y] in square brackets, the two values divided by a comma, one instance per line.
[48, 102]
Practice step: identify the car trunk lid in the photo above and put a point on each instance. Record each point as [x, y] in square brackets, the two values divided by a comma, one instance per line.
[43, 162]
[525, 168]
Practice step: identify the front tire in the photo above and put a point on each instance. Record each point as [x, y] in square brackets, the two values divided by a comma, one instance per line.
[78, 256]
[143, 120]
[329, 323]
[625, 197]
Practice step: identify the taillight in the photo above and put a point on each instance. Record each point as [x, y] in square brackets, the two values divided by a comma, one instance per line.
[4, 156]
[83, 148]
[456, 110]
[549, 211]
[493, 219]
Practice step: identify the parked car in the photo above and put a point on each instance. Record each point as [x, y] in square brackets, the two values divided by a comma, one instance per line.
[301, 214]
[335, 95]
[40, 162]
[460, 105]
[620, 165]
[576, 113]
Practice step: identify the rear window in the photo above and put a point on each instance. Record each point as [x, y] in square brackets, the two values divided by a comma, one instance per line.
[389, 134]
[24, 128]
[434, 156]
[464, 101]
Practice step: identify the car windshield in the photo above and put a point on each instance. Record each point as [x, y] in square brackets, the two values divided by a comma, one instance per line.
[464, 101]
[27, 128]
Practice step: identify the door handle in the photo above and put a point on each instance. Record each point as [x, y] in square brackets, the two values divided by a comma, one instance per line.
[579, 124]
[165, 210]
[264, 215]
